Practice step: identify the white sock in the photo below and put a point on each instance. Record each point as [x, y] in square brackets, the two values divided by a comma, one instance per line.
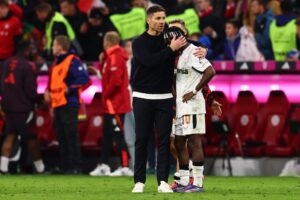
[39, 166]
[184, 177]
[4, 164]
[198, 174]
[191, 168]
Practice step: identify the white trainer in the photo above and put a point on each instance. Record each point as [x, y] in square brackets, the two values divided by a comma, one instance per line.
[122, 171]
[138, 187]
[101, 170]
[164, 187]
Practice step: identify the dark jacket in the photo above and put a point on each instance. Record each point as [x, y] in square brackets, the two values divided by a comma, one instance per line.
[93, 40]
[262, 33]
[18, 85]
[231, 47]
[153, 65]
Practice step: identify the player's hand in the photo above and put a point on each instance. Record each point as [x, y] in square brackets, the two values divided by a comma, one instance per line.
[47, 96]
[51, 112]
[187, 97]
[216, 108]
[200, 52]
[178, 43]
[84, 28]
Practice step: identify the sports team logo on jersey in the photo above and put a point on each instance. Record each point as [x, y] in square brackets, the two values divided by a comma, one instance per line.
[6, 26]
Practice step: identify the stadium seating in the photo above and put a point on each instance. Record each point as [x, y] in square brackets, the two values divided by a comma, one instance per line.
[289, 141]
[270, 126]
[91, 140]
[45, 129]
[213, 139]
[242, 120]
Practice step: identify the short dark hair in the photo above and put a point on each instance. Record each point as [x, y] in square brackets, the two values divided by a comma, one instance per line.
[3, 3]
[23, 46]
[43, 7]
[63, 41]
[155, 9]
[172, 32]
[235, 23]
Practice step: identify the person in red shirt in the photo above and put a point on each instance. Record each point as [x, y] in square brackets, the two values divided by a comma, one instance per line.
[10, 31]
[116, 102]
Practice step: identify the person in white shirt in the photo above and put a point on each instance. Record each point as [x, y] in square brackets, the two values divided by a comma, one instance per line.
[192, 74]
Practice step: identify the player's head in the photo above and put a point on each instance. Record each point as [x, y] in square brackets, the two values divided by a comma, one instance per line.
[180, 24]
[156, 16]
[43, 11]
[67, 7]
[61, 44]
[258, 7]
[173, 32]
[111, 39]
[24, 48]
[3, 8]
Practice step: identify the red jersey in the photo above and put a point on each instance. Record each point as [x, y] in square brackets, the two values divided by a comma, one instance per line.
[115, 81]
[9, 28]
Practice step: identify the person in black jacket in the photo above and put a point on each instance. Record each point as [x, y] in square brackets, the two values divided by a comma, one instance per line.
[97, 26]
[55, 24]
[19, 94]
[75, 17]
[153, 64]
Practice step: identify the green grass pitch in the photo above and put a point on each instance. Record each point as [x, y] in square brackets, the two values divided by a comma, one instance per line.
[89, 188]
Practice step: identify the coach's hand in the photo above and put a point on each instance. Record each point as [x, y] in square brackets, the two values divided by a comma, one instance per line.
[178, 43]
[187, 97]
[200, 52]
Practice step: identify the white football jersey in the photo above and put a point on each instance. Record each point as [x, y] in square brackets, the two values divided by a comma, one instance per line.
[189, 73]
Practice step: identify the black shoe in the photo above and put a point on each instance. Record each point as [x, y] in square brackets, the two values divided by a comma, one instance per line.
[3, 173]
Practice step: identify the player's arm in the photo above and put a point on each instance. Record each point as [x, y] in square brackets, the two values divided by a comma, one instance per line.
[115, 72]
[80, 76]
[208, 73]
[150, 59]
[215, 106]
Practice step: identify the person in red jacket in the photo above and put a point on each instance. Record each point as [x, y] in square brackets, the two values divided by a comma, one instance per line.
[10, 31]
[116, 102]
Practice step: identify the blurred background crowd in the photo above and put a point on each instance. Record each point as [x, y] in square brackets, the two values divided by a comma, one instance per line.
[240, 30]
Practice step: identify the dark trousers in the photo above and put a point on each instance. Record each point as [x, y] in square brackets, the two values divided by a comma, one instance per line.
[149, 113]
[66, 128]
[113, 131]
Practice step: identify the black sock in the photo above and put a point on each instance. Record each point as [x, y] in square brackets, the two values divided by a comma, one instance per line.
[184, 167]
[198, 163]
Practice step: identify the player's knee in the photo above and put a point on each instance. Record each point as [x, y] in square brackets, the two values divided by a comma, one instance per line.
[6, 147]
[180, 145]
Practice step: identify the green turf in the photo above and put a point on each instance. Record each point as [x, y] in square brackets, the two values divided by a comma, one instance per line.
[89, 188]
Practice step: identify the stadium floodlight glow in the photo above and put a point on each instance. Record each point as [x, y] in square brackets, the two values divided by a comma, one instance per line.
[244, 87]
[212, 87]
[274, 87]
[89, 94]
